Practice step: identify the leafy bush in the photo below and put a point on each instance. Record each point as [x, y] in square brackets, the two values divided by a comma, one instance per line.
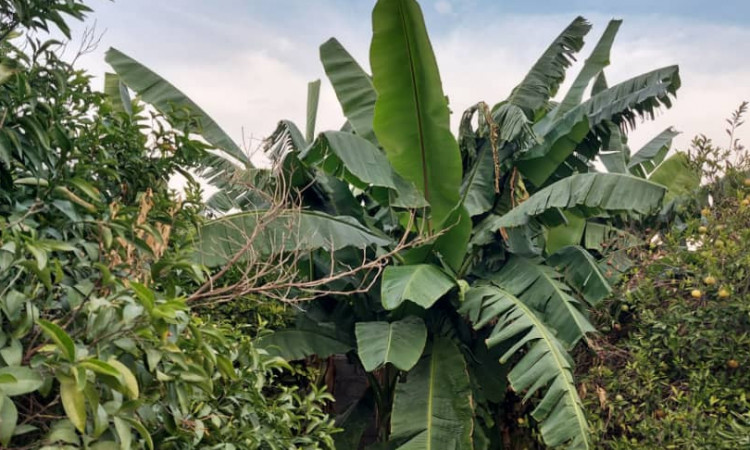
[98, 348]
[672, 370]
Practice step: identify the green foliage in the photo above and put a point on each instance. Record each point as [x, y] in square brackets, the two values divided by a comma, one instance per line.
[98, 346]
[489, 253]
[671, 372]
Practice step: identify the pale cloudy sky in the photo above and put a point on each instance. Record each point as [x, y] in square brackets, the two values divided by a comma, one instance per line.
[247, 62]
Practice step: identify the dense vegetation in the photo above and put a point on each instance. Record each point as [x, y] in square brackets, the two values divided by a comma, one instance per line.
[99, 348]
[453, 275]
[671, 370]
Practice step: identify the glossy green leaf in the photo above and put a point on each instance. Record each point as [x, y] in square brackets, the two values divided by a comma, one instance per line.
[19, 380]
[353, 87]
[422, 284]
[433, 408]
[100, 367]
[60, 338]
[412, 119]
[155, 90]
[400, 343]
[8, 420]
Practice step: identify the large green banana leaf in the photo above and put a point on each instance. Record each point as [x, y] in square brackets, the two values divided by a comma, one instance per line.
[678, 175]
[164, 97]
[601, 237]
[362, 165]
[400, 343]
[582, 272]
[422, 284]
[645, 160]
[412, 119]
[621, 104]
[588, 192]
[569, 233]
[543, 80]
[353, 87]
[593, 66]
[616, 153]
[220, 240]
[313, 97]
[433, 408]
[545, 364]
[293, 345]
[540, 287]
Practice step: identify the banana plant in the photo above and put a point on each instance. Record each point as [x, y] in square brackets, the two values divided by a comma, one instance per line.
[489, 294]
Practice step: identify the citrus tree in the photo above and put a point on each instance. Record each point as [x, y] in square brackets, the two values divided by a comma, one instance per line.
[98, 347]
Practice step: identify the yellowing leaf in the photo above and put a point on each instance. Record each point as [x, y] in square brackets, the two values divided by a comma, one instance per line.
[129, 382]
[74, 403]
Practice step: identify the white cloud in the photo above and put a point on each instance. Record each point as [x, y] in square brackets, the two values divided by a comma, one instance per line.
[443, 7]
[480, 59]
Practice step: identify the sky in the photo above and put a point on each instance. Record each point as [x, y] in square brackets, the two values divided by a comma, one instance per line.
[248, 62]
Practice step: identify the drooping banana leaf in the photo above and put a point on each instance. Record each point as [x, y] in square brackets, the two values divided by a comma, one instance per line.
[588, 193]
[621, 104]
[238, 187]
[543, 80]
[581, 271]
[293, 345]
[220, 240]
[545, 365]
[412, 119]
[353, 87]
[484, 154]
[540, 287]
[422, 284]
[158, 92]
[400, 343]
[432, 409]
[645, 160]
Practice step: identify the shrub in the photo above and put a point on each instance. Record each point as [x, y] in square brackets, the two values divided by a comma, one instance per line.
[672, 370]
[98, 348]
